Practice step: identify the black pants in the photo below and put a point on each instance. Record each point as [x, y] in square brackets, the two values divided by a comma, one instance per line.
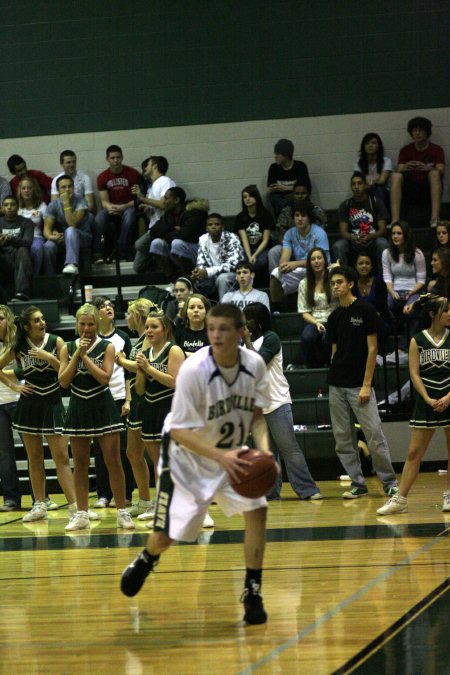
[16, 263]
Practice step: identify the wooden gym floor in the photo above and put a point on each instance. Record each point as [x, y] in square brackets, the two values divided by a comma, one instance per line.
[346, 591]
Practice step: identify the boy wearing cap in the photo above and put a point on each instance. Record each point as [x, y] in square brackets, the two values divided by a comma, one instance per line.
[283, 174]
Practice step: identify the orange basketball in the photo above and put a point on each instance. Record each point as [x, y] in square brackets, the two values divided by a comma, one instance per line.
[261, 476]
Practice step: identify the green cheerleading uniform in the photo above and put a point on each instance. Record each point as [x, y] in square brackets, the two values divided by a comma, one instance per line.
[92, 411]
[434, 370]
[134, 420]
[42, 412]
[157, 397]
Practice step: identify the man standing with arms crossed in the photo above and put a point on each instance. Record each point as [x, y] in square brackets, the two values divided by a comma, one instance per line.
[219, 396]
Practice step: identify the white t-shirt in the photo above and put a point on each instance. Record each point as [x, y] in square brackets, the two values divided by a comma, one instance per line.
[7, 395]
[37, 215]
[373, 174]
[82, 184]
[243, 299]
[157, 190]
[279, 387]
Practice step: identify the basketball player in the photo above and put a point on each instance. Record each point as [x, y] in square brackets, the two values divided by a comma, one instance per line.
[220, 393]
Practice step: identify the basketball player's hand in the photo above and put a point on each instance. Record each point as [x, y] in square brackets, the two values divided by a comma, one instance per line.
[364, 394]
[234, 465]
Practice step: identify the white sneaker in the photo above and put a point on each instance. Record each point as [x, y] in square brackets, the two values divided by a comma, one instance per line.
[149, 513]
[140, 507]
[124, 520]
[92, 515]
[70, 269]
[101, 503]
[396, 504]
[79, 521]
[38, 512]
[446, 501]
[208, 521]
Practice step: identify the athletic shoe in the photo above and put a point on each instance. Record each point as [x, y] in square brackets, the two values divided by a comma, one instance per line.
[395, 504]
[38, 512]
[51, 506]
[101, 503]
[434, 222]
[140, 507]
[316, 496]
[355, 493]
[92, 515]
[208, 521]
[392, 491]
[97, 259]
[446, 501]
[9, 505]
[70, 269]
[253, 604]
[124, 520]
[112, 503]
[79, 521]
[135, 574]
[402, 357]
[149, 513]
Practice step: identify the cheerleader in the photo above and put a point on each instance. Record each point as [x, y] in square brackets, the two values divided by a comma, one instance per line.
[40, 411]
[137, 313]
[157, 370]
[429, 369]
[87, 365]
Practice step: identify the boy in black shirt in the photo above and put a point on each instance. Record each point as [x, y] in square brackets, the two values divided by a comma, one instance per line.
[352, 331]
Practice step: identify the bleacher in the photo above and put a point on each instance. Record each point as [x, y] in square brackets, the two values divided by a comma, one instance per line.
[59, 297]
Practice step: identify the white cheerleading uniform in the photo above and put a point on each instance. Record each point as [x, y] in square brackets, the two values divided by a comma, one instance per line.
[220, 402]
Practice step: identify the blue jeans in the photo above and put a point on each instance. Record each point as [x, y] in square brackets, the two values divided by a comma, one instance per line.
[315, 347]
[9, 477]
[74, 238]
[283, 442]
[126, 223]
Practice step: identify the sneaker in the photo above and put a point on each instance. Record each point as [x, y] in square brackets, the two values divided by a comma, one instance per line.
[140, 507]
[38, 512]
[316, 496]
[135, 574]
[112, 503]
[92, 515]
[355, 493]
[402, 357]
[395, 504]
[253, 604]
[9, 505]
[124, 520]
[97, 259]
[392, 491]
[446, 501]
[51, 506]
[149, 513]
[208, 521]
[101, 503]
[79, 521]
[434, 222]
[70, 269]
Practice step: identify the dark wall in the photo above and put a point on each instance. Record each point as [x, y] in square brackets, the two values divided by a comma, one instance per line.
[97, 65]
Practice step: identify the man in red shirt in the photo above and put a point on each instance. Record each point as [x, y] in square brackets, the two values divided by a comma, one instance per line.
[418, 178]
[18, 168]
[114, 186]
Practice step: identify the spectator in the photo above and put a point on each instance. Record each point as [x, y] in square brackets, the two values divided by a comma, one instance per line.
[18, 168]
[297, 243]
[174, 237]
[362, 223]
[31, 206]
[114, 185]
[442, 234]
[315, 304]
[182, 290]
[440, 266]
[153, 201]
[219, 251]
[404, 272]
[283, 174]
[82, 183]
[421, 166]
[246, 294]
[375, 166]
[372, 289]
[16, 237]
[144, 183]
[302, 195]
[67, 223]
[254, 225]
[5, 189]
